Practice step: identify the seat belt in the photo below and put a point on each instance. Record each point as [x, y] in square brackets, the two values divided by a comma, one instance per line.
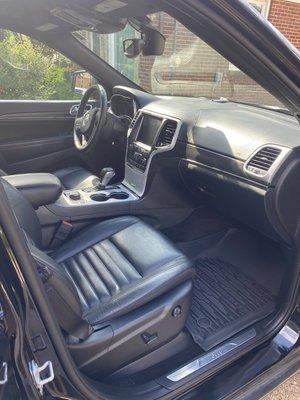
[61, 235]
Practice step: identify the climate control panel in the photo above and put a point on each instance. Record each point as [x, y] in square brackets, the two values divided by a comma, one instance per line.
[137, 156]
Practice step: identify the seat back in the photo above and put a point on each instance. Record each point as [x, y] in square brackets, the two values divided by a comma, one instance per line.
[60, 289]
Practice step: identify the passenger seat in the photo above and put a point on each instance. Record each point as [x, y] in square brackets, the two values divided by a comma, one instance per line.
[119, 289]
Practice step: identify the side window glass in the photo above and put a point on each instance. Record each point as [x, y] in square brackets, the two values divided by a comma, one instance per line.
[29, 70]
[82, 81]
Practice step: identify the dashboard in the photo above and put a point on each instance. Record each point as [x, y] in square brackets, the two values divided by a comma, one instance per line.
[232, 154]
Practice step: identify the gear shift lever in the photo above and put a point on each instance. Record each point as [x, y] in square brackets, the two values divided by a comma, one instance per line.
[106, 175]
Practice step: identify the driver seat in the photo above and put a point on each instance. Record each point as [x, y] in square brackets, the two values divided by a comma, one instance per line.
[76, 178]
[71, 177]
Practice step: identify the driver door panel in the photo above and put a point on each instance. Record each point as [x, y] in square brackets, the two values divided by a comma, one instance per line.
[36, 136]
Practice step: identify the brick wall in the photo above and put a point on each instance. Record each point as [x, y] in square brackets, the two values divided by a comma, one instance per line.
[189, 67]
[285, 16]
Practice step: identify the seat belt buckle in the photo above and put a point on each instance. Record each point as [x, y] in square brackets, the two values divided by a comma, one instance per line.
[62, 233]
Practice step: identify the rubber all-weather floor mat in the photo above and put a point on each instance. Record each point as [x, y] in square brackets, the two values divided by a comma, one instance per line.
[225, 301]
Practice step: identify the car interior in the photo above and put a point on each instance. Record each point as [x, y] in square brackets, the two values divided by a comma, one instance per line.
[164, 240]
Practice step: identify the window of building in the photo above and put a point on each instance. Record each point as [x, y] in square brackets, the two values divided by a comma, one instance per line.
[262, 6]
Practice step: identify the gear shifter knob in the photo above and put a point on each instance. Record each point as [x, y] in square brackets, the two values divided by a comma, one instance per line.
[106, 175]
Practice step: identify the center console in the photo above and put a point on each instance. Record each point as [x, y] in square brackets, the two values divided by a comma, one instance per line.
[111, 194]
[148, 135]
[139, 150]
[39, 188]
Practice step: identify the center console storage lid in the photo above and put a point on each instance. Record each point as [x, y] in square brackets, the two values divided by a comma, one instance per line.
[40, 189]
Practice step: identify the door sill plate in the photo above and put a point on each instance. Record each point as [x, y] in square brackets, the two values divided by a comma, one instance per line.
[211, 356]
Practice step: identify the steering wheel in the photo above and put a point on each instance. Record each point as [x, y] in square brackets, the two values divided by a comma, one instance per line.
[88, 124]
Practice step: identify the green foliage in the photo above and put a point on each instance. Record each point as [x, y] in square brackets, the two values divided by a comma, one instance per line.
[30, 70]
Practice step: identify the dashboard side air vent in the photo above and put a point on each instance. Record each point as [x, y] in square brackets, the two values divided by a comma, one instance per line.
[167, 133]
[134, 119]
[261, 162]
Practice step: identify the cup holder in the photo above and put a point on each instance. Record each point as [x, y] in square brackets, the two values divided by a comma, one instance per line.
[102, 197]
[119, 196]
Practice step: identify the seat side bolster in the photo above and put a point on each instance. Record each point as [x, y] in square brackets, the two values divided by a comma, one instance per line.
[62, 295]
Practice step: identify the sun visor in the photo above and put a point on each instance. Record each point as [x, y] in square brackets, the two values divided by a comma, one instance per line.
[88, 21]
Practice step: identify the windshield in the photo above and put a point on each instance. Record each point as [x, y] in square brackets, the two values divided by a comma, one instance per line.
[188, 66]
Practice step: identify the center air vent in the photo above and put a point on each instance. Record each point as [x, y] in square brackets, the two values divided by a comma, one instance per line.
[261, 162]
[167, 134]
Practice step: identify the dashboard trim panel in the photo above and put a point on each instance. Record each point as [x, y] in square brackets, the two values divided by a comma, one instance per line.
[241, 178]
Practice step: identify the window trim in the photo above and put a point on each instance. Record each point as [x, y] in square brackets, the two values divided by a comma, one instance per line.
[266, 5]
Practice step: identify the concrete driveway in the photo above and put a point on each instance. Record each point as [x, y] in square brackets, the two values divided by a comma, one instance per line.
[288, 390]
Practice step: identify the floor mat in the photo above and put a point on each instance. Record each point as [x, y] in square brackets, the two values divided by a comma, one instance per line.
[225, 301]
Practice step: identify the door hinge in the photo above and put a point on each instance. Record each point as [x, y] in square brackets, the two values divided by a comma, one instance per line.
[3, 374]
[41, 375]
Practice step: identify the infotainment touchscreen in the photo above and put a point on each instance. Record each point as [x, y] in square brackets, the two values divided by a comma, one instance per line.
[149, 129]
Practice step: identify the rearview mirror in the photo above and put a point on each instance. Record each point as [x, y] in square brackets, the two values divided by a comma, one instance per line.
[152, 43]
[133, 47]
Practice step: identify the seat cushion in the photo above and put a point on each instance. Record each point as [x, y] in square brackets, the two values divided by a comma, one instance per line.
[76, 178]
[119, 265]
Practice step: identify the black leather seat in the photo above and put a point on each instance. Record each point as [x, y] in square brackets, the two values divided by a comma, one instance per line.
[76, 178]
[119, 268]
[71, 178]
[119, 265]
